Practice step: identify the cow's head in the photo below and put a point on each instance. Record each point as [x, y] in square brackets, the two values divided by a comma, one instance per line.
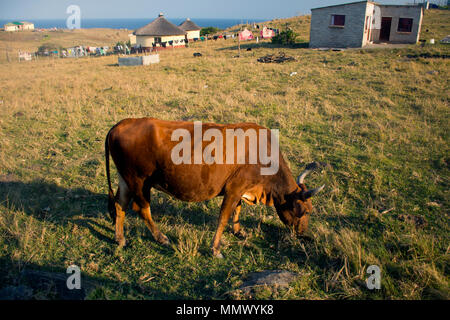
[297, 206]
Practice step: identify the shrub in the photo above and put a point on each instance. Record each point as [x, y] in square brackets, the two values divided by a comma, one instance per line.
[285, 37]
[48, 47]
[209, 30]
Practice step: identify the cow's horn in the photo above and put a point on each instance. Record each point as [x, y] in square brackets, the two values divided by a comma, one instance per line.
[313, 192]
[309, 168]
[302, 177]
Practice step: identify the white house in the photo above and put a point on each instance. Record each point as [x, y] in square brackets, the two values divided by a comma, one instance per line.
[361, 23]
[18, 26]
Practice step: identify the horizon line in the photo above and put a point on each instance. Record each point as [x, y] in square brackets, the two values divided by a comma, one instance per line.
[115, 18]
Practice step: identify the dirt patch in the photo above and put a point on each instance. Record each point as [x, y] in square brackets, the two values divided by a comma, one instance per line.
[428, 56]
[273, 58]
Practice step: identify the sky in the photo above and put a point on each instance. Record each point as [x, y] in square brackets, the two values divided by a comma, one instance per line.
[213, 9]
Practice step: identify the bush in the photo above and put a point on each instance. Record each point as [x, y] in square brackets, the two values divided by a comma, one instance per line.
[285, 37]
[209, 30]
[48, 47]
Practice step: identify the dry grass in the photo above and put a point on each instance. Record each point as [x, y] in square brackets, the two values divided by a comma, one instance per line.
[379, 118]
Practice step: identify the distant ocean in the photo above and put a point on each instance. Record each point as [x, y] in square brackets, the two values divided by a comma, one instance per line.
[132, 24]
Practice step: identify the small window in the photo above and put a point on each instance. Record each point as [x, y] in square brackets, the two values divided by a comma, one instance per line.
[405, 25]
[338, 20]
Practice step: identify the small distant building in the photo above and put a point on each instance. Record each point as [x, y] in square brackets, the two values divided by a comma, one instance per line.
[192, 30]
[246, 35]
[267, 33]
[160, 33]
[18, 26]
[11, 27]
[362, 23]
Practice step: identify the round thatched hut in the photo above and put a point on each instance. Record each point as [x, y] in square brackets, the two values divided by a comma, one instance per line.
[160, 33]
[192, 30]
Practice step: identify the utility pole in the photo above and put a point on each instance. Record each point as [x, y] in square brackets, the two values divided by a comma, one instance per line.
[239, 43]
[239, 40]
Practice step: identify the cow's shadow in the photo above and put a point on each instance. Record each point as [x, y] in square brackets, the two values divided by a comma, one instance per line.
[59, 205]
[49, 202]
[46, 201]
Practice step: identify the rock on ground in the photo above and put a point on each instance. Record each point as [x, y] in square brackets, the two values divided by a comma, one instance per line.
[270, 278]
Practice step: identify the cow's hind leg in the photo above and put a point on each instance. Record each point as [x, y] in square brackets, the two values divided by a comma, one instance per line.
[123, 197]
[143, 207]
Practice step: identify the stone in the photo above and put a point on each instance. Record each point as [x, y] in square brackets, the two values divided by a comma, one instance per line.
[270, 278]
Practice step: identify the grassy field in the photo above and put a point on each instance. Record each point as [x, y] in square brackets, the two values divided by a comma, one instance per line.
[380, 118]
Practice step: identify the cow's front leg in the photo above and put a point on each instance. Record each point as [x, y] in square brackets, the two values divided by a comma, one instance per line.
[237, 231]
[228, 205]
[157, 235]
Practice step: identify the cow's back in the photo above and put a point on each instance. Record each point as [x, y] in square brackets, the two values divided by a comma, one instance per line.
[142, 149]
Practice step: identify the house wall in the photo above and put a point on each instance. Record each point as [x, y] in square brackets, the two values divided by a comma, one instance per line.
[174, 38]
[397, 12]
[147, 41]
[193, 34]
[351, 35]
[132, 38]
[28, 26]
[144, 41]
[372, 23]
[11, 28]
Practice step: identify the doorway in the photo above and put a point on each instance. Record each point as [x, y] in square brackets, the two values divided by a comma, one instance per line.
[385, 31]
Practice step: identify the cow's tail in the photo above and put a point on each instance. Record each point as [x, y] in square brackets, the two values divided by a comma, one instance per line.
[111, 199]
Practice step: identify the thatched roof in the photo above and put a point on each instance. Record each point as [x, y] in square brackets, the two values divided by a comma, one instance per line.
[188, 25]
[160, 27]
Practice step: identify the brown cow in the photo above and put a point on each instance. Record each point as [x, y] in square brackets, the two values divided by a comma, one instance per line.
[142, 150]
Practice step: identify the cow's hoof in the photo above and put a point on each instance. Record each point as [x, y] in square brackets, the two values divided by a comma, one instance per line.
[240, 234]
[162, 239]
[121, 242]
[217, 254]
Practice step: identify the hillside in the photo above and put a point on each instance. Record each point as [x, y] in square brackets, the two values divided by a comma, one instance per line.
[379, 118]
[30, 41]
